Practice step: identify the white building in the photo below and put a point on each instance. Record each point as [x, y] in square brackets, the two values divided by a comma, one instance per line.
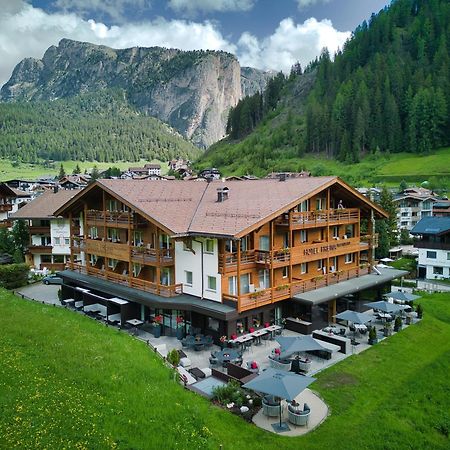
[434, 247]
[49, 235]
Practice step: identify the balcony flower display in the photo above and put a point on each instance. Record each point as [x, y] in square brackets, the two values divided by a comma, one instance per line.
[180, 327]
[240, 327]
[157, 321]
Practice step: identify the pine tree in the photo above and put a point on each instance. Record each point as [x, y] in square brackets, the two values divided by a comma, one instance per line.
[77, 170]
[62, 172]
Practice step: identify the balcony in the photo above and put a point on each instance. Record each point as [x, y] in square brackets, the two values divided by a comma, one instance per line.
[228, 261]
[118, 219]
[40, 249]
[34, 229]
[109, 249]
[6, 223]
[432, 245]
[245, 302]
[152, 256]
[5, 207]
[136, 283]
[314, 219]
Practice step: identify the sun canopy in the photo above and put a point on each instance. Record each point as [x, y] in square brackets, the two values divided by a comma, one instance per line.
[281, 384]
[297, 344]
[403, 296]
[354, 317]
[386, 306]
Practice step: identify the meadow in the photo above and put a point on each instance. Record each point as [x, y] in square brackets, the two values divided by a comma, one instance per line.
[67, 381]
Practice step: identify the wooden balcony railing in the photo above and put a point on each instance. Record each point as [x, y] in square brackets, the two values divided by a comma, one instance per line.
[116, 218]
[39, 229]
[5, 207]
[432, 245]
[40, 249]
[152, 256]
[143, 285]
[312, 219]
[228, 261]
[257, 299]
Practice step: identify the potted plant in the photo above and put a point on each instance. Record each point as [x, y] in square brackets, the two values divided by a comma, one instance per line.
[387, 331]
[174, 357]
[373, 339]
[180, 326]
[157, 321]
[397, 324]
[240, 327]
[419, 311]
[223, 342]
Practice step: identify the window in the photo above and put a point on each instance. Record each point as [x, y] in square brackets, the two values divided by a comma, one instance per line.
[165, 276]
[350, 231]
[335, 232]
[304, 206]
[209, 246]
[137, 238]
[264, 243]
[285, 272]
[213, 324]
[66, 241]
[404, 214]
[93, 259]
[348, 258]
[212, 283]
[112, 263]
[186, 246]
[230, 246]
[438, 270]
[136, 269]
[244, 243]
[164, 241]
[286, 240]
[304, 268]
[320, 204]
[320, 264]
[245, 283]
[46, 240]
[112, 205]
[232, 285]
[188, 278]
[56, 241]
[303, 236]
[93, 232]
[263, 277]
[448, 256]
[431, 255]
[113, 234]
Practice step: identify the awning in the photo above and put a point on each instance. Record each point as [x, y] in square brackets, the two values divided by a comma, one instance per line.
[184, 302]
[340, 289]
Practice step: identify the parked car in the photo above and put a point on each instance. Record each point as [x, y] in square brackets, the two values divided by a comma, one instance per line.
[52, 279]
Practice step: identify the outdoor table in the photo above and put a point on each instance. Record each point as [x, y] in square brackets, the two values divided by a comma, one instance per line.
[78, 304]
[228, 355]
[258, 333]
[115, 318]
[68, 301]
[134, 323]
[272, 329]
[383, 315]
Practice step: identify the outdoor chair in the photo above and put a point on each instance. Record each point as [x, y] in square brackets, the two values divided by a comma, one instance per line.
[300, 418]
[271, 407]
[209, 341]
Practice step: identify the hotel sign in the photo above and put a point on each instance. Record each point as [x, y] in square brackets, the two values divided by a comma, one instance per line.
[325, 248]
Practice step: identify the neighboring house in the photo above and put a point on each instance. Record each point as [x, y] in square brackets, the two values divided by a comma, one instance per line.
[49, 235]
[11, 199]
[153, 169]
[277, 175]
[74, 181]
[210, 174]
[441, 208]
[222, 254]
[412, 205]
[434, 247]
[148, 169]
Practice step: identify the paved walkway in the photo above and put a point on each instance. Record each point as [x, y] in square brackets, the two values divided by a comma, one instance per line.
[319, 412]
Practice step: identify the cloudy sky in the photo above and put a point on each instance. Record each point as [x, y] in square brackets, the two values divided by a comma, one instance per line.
[267, 34]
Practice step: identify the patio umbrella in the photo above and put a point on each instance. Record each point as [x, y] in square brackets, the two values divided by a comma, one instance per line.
[297, 344]
[385, 306]
[280, 384]
[354, 316]
[402, 296]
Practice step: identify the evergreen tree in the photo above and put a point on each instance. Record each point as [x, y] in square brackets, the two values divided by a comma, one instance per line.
[77, 170]
[62, 172]
[95, 174]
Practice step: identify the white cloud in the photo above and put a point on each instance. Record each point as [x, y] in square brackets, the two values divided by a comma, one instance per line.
[290, 43]
[115, 9]
[302, 4]
[26, 31]
[193, 6]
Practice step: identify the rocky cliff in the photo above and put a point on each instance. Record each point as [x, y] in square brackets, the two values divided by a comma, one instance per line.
[191, 91]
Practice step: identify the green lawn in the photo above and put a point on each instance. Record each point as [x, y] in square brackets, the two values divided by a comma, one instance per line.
[69, 382]
[28, 171]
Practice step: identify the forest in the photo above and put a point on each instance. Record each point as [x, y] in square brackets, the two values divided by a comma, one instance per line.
[90, 127]
[387, 91]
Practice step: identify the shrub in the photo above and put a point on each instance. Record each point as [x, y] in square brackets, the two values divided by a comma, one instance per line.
[372, 333]
[13, 275]
[174, 357]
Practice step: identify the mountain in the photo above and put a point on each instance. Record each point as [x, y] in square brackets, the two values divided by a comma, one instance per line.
[387, 91]
[99, 126]
[191, 91]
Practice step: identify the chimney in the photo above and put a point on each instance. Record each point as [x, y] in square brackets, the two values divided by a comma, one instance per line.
[222, 194]
[55, 189]
[282, 176]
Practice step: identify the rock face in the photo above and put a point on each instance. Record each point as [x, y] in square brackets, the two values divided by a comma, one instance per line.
[191, 91]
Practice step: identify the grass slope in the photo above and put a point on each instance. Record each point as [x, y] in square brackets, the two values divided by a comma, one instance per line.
[29, 171]
[390, 169]
[68, 382]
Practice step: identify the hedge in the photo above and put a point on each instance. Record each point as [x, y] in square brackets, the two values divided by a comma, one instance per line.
[13, 275]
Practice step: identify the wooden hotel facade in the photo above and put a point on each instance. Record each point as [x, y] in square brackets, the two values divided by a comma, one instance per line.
[221, 255]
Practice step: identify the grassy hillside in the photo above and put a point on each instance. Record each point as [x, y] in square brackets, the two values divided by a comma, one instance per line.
[29, 171]
[68, 382]
[388, 169]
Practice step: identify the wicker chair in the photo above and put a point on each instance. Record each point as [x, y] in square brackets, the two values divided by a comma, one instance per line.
[300, 418]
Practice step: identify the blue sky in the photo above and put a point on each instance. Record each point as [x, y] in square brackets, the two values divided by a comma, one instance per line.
[267, 34]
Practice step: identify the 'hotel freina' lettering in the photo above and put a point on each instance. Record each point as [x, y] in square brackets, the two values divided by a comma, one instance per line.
[324, 248]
